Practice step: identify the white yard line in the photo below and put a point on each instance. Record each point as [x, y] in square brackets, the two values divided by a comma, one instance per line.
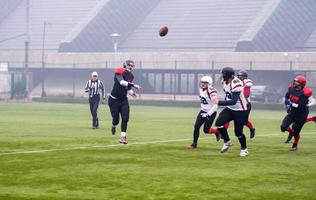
[117, 145]
[92, 147]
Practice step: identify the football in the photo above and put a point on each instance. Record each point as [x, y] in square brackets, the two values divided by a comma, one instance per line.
[163, 31]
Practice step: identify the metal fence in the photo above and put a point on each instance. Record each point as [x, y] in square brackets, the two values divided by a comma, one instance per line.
[160, 80]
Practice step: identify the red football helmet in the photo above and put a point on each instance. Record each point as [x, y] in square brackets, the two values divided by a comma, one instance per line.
[301, 80]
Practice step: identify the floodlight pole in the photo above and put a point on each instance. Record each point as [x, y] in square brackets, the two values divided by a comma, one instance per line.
[27, 36]
[43, 59]
[115, 39]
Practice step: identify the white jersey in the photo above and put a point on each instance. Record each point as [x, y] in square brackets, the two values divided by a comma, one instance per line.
[247, 83]
[206, 97]
[235, 85]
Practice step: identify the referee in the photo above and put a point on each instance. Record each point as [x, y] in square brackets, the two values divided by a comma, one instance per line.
[93, 88]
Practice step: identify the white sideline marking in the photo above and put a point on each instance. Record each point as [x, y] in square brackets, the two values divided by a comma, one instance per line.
[114, 145]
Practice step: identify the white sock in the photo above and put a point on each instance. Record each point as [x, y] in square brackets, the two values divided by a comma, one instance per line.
[123, 134]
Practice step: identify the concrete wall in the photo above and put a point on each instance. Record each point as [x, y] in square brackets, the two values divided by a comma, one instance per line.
[194, 60]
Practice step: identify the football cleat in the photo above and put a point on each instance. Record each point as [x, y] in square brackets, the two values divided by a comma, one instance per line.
[218, 136]
[289, 138]
[226, 146]
[123, 140]
[244, 152]
[192, 146]
[314, 119]
[294, 147]
[252, 133]
[113, 130]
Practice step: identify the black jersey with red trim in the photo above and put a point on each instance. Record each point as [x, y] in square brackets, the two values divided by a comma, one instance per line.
[300, 98]
[119, 91]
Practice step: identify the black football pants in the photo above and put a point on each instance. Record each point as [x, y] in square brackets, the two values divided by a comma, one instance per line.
[119, 107]
[94, 104]
[207, 121]
[298, 122]
[240, 119]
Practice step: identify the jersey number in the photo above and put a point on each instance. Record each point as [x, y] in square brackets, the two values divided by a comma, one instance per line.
[228, 95]
[203, 100]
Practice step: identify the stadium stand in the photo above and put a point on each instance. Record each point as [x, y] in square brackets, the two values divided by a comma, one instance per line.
[310, 44]
[289, 26]
[117, 16]
[61, 16]
[7, 7]
[194, 26]
[200, 25]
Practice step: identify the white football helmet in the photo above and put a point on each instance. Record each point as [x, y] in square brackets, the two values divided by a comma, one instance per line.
[207, 79]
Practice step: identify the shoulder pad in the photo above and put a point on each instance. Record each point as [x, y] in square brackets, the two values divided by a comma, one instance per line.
[119, 71]
[247, 83]
[212, 90]
[236, 85]
[308, 91]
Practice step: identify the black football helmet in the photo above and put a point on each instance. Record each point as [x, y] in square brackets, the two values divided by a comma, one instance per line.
[129, 62]
[227, 73]
[242, 74]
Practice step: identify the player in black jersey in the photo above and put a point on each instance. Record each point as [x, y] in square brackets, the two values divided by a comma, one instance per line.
[297, 100]
[118, 102]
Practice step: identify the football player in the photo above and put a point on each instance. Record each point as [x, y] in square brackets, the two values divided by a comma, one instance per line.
[235, 110]
[206, 116]
[118, 102]
[297, 100]
[287, 102]
[247, 83]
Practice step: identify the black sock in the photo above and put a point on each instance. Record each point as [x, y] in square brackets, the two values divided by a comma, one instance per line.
[196, 136]
[242, 141]
[224, 134]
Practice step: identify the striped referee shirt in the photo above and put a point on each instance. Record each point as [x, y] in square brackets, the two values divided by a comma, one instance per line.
[94, 91]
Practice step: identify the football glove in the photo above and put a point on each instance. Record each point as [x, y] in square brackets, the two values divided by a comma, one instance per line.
[204, 115]
[287, 103]
[137, 86]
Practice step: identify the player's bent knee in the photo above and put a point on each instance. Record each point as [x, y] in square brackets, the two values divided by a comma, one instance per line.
[238, 134]
[116, 121]
[206, 130]
[283, 129]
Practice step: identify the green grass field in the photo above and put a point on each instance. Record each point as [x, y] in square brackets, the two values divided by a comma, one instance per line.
[49, 151]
